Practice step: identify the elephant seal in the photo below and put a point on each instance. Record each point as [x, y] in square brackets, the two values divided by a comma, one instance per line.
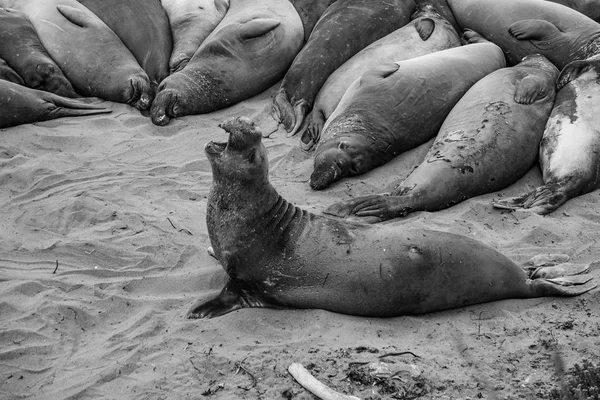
[396, 107]
[569, 154]
[89, 53]
[345, 28]
[488, 141]
[22, 105]
[279, 255]
[9, 74]
[591, 8]
[522, 27]
[22, 50]
[427, 32]
[310, 12]
[191, 22]
[143, 26]
[247, 53]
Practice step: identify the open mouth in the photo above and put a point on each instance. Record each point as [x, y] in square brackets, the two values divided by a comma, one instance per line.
[215, 147]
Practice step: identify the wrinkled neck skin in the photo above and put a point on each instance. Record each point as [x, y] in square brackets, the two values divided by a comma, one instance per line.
[246, 219]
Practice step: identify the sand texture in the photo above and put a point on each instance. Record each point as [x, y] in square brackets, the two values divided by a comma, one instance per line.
[103, 249]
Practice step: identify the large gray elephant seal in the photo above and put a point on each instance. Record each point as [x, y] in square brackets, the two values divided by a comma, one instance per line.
[345, 28]
[523, 27]
[9, 74]
[22, 50]
[89, 53]
[396, 107]
[247, 53]
[569, 154]
[22, 105]
[278, 255]
[427, 33]
[191, 22]
[489, 140]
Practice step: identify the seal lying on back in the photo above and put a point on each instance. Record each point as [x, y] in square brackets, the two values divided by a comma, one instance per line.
[89, 53]
[191, 23]
[22, 105]
[396, 107]
[246, 54]
[9, 74]
[143, 26]
[488, 141]
[522, 27]
[569, 154]
[345, 28]
[427, 33]
[278, 255]
[21, 48]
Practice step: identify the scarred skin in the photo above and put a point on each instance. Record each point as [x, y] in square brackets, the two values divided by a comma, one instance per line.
[345, 28]
[396, 107]
[278, 255]
[90, 54]
[488, 141]
[191, 22]
[569, 154]
[427, 33]
[9, 74]
[523, 27]
[22, 105]
[22, 50]
[146, 34]
[247, 53]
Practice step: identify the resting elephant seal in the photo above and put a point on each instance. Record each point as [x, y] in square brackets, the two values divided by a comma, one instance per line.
[246, 54]
[569, 154]
[591, 8]
[22, 105]
[345, 28]
[9, 74]
[427, 33]
[21, 48]
[89, 53]
[396, 107]
[191, 23]
[278, 255]
[143, 26]
[488, 141]
[523, 27]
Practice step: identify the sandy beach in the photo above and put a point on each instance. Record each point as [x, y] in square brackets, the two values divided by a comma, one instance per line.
[103, 249]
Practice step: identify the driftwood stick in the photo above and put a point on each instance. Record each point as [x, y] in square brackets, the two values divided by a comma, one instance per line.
[310, 383]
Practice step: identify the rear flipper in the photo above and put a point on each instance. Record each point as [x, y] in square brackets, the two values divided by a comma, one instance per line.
[312, 133]
[561, 286]
[289, 112]
[542, 200]
[64, 107]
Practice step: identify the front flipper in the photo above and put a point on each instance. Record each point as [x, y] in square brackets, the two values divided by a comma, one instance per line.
[536, 30]
[530, 89]
[383, 207]
[230, 299]
[425, 28]
[77, 16]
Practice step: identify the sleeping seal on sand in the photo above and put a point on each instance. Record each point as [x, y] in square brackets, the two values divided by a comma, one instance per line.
[569, 154]
[278, 255]
[22, 105]
[488, 141]
[345, 28]
[427, 32]
[523, 27]
[396, 107]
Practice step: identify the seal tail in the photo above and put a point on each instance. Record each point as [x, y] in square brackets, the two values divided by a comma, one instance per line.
[311, 135]
[542, 200]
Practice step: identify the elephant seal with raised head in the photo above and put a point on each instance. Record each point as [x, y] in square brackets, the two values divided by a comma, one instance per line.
[247, 53]
[23, 51]
[278, 255]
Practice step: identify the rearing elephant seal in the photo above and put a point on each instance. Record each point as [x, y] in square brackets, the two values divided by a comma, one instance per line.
[22, 50]
[523, 27]
[278, 255]
[90, 54]
[489, 140]
[345, 28]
